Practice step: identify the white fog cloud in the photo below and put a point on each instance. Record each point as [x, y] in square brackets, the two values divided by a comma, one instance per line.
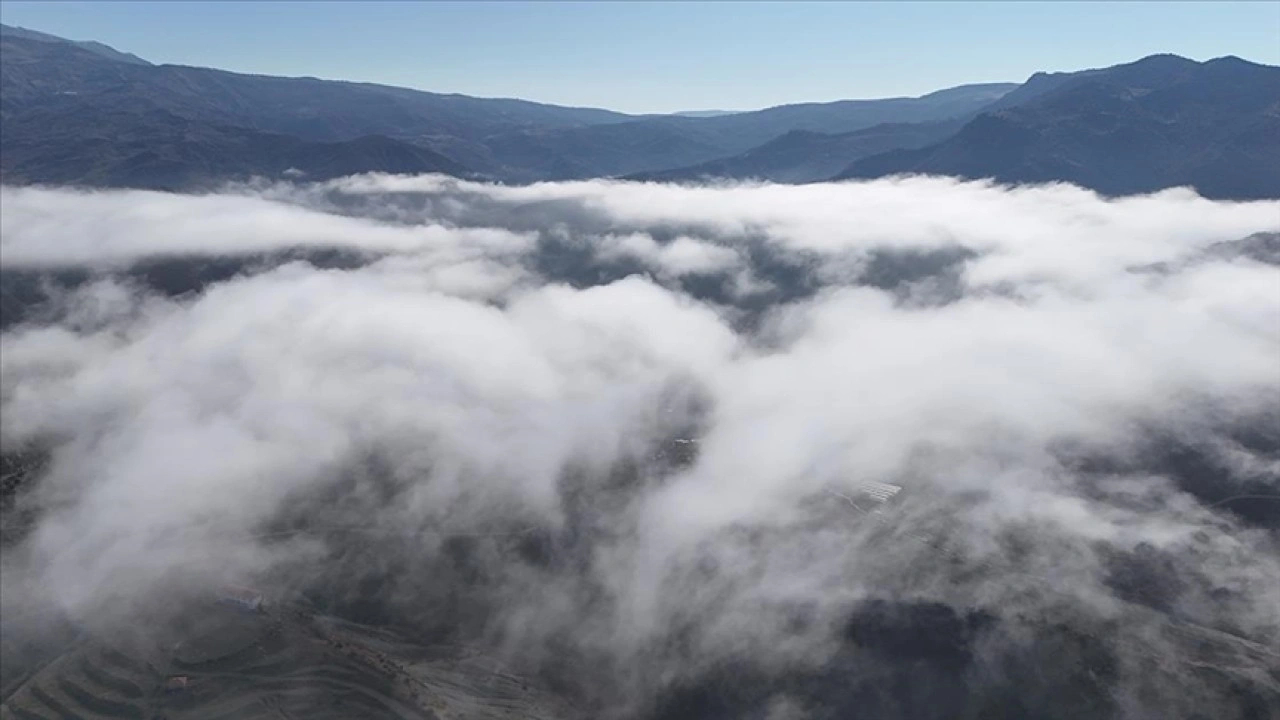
[486, 382]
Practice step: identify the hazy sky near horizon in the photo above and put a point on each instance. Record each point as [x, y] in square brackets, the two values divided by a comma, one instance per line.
[663, 56]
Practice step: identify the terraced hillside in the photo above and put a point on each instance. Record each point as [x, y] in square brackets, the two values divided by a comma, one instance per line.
[271, 665]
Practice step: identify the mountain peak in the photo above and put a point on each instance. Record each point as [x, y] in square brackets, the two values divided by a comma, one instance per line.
[1108, 129]
[1165, 58]
[1233, 61]
[1162, 61]
[92, 46]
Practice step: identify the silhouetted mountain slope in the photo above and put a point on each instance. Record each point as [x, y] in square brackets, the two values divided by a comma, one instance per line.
[84, 112]
[660, 143]
[509, 139]
[743, 131]
[310, 108]
[1161, 122]
[805, 156]
[705, 113]
[1149, 72]
[95, 47]
[157, 150]
[601, 150]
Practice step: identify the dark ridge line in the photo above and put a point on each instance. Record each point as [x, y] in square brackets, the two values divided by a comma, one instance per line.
[49, 701]
[116, 658]
[239, 658]
[98, 676]
[352, 696]
[351, 690]
[1233, 498]
[97, 705]
[238, 713]
[334, 667]
[26, 714]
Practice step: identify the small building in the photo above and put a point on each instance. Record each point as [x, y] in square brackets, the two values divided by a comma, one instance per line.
[878, 491]
[241, 597]
[177, 684]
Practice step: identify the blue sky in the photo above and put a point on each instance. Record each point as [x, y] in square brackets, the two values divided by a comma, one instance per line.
[663, 56]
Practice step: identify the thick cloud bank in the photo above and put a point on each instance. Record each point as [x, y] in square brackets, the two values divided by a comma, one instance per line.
[619, 431]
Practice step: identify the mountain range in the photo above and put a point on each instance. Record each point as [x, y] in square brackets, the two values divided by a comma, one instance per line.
[85, 113]
[1161, 121]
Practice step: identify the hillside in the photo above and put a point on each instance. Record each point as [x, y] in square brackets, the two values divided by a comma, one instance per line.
[52, 93]
[656, 144]
[313, 109]
[98, 48]
[1163, 121]
[152, 148]
[805, 156]
[499, 138]
[85, 113]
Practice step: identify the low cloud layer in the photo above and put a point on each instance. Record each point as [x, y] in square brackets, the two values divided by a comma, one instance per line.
[619, 430]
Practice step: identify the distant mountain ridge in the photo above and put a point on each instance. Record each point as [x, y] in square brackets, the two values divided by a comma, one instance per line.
[513, 140]
[706, 113]
[158, 150]
[83, 112]
[105, 51]
[55, 135]
[805, 156]
[1160, 122]
[654, 143]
